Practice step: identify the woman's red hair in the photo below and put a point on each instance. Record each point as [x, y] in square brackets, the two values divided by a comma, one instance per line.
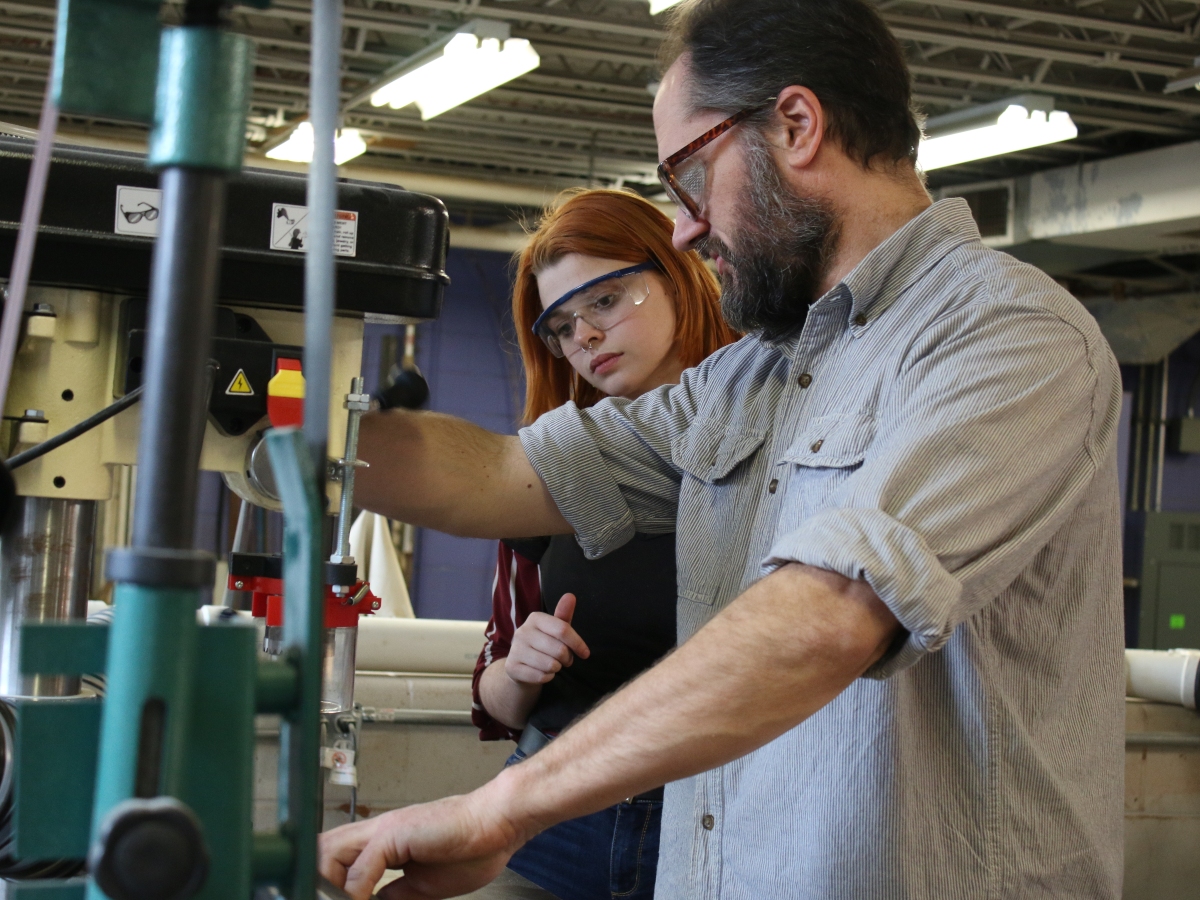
[609, 225]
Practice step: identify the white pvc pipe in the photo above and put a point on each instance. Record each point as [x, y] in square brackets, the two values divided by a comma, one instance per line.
[1168, 676]
[432, 646]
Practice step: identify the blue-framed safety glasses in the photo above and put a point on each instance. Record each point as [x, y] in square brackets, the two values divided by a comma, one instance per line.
[602, 303]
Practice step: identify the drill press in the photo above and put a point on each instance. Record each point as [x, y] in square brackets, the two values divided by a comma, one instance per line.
[177, 336]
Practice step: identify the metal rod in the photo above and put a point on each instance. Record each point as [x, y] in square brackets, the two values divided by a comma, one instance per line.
[239, 545]
[1133, 489]
[375, 715]
[1148, 439]
[320, 286]
[1151, 438]
[346, 510]
[1162, 432]
[183, 292]
[1162, 739]
[31, 215]
[46, 556]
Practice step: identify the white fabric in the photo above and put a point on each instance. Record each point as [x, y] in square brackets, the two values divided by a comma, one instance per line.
[371, 544]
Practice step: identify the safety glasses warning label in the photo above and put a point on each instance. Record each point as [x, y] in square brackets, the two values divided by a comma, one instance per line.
[289, 230]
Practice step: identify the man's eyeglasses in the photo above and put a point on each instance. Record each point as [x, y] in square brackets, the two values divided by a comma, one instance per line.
[602, 303]
[683, 178]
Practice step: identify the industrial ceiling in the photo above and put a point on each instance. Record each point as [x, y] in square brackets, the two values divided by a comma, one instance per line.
[584, 116]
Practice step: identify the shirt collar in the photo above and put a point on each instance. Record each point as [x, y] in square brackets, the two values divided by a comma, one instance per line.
[888, 270]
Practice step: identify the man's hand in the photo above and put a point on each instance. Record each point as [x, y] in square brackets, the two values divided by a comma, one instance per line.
[544, 644]
[446, 848]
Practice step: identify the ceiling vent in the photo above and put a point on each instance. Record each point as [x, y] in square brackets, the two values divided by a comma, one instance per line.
[992, 206]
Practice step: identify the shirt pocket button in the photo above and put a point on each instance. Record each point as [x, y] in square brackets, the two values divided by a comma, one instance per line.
[816, 448]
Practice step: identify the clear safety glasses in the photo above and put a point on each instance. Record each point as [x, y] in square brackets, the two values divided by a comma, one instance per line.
[602, 303]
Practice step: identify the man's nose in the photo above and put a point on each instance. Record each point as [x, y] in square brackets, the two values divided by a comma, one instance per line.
[688, 231]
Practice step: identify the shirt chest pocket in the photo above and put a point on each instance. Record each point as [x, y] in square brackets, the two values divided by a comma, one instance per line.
[716, 459]
[710, 450]
[828, 450]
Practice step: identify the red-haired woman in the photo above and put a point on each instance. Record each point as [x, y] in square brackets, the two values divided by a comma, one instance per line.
[604, 306]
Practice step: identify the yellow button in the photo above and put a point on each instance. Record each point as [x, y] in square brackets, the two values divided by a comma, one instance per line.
[286, 383]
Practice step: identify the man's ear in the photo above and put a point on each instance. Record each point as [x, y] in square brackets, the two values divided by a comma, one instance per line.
[800, 125]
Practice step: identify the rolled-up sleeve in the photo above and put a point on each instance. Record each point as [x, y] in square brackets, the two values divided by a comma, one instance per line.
[994, 436]
[609, 467]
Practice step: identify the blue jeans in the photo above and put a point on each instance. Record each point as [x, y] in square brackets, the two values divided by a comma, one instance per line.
[605, 856]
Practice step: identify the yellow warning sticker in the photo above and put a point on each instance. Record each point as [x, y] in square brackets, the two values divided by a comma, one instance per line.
[240, 386]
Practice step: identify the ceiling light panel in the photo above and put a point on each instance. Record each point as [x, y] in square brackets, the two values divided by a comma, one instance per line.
[298, 147]
[467, 65]
[993, 130]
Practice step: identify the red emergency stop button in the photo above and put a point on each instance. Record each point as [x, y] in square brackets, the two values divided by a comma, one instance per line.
[285, 394]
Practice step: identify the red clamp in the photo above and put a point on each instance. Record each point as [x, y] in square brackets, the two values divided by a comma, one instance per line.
[262, 590]
[341, 612]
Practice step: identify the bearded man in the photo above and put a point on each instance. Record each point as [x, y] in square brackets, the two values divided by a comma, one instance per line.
[899, 672]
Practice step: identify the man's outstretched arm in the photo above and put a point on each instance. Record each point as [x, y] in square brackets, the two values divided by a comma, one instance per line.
[776, 655]
[441, 472]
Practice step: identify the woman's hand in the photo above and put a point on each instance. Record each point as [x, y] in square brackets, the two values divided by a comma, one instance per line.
[544, 644]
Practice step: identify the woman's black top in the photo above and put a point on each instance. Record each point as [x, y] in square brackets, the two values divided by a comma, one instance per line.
[625, 614]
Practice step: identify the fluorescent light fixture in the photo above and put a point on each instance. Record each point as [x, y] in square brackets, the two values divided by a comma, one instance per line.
[657, 6]
[1185, 78]
[993, 130]
[471, 61]
[298, 147]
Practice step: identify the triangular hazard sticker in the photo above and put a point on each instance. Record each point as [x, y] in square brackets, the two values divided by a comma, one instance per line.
[240, 386]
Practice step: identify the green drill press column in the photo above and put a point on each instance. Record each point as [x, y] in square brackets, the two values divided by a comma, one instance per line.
[198, 137]
[204, 77]
[303, 631]
[151, 654]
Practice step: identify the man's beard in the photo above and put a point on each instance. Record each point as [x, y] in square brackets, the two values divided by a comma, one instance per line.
[779, 254]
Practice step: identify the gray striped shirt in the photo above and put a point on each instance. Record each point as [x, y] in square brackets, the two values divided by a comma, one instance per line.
[944, 427]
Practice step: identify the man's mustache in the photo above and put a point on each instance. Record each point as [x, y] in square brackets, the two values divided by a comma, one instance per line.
[710, 248]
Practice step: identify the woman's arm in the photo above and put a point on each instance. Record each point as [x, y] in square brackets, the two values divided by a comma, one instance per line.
[506, 701]
[516, 593]
[510, 687]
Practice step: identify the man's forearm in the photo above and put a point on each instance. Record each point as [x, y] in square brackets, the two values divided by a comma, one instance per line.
[779, 653]
[504, 700]
[441, 472]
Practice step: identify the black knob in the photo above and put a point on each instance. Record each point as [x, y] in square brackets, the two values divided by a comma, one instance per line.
[150, 850]
[408, 390]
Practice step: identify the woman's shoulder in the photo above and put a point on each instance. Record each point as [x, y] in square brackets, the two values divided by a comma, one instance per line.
[533, 549]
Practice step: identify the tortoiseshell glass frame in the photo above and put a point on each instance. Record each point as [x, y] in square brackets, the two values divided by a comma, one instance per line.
[666, 168]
